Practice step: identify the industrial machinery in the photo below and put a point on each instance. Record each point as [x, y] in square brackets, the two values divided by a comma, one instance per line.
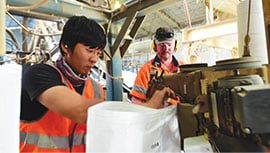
[228, 103]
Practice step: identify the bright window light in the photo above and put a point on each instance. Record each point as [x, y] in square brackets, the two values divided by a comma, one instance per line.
[116, 5]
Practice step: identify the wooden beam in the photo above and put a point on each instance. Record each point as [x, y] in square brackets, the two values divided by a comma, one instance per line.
[2, 28]
[215, 30]
[266, 10]
[124, 47]
[144, 7]
[227, 6]
[211, 12]
[25, 34]
[132, 34]
[136, 26]
[122, 32]
[220, 43]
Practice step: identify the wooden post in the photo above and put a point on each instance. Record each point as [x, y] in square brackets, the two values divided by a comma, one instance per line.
[2, 27]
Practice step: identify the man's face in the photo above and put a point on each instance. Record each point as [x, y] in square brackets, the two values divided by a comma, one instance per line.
[83, 58]
[165, 50]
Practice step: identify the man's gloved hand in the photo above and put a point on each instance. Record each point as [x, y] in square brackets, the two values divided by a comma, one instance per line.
[157, 99]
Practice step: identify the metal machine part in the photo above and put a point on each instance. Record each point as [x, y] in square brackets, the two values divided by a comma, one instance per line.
[251, 108]
[240, 118]
[193, 67]
[222, 101]
[231, 81]
[228, 104]
[237, 63]
[239, 113]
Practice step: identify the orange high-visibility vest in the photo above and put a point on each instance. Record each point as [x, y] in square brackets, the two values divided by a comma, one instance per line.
[141, 83]
[54, 132]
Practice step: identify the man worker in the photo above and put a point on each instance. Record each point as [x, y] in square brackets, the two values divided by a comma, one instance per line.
[164, 44]
[56, 96]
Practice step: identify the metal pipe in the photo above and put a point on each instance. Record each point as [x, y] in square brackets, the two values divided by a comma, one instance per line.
[63, 8]
[2, 27]
[188, 14]
[27, 30]
[27, 7]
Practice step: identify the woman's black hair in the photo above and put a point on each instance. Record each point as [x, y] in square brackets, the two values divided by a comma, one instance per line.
[79, 29]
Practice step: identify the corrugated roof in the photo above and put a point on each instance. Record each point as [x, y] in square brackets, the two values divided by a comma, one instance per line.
[178, 15]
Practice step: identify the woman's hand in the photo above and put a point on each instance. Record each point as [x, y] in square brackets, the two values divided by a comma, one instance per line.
[158, 98]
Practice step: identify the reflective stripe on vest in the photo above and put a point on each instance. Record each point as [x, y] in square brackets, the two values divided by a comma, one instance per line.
[97, 92]
[51, 142]
[140, 89]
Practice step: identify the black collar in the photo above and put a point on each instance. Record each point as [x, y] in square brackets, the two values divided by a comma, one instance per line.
[157, 61]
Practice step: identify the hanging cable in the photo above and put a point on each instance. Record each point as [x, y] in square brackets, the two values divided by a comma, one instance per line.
[27, 30]
[247, 38]
[114, 77]
[12, 36]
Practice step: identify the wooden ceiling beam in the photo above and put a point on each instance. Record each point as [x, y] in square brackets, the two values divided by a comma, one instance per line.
[143, 7]
[132, 34]
[122, 33]
[220, 43]
[215, 30]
